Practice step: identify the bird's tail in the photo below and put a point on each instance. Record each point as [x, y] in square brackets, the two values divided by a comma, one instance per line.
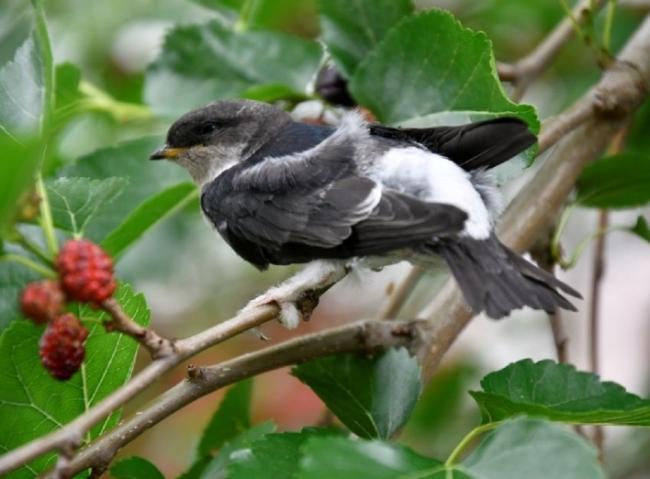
[497, 280]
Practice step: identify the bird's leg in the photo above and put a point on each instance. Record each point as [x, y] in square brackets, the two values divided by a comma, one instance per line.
[298, 296]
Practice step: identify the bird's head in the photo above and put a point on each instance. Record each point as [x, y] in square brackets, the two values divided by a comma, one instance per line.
[211, 139]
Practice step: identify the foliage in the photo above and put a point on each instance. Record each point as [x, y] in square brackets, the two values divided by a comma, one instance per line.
[408, 67]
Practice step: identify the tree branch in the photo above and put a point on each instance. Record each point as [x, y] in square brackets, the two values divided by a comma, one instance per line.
[619, 93]
[526, 70]
[362, 337]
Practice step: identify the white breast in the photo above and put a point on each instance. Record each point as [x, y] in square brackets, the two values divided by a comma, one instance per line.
[433, 178]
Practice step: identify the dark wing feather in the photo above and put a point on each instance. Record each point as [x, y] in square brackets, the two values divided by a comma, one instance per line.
[292, 210]
[483, 144]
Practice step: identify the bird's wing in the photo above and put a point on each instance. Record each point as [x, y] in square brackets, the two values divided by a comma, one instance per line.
[483, 144]
[297, 208]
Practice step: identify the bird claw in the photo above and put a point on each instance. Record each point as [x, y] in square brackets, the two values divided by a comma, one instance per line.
[290, 315]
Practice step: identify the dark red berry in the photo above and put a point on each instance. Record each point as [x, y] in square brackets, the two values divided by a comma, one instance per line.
[333, 87]
[41, 301]
[62, 346]
[86, 272]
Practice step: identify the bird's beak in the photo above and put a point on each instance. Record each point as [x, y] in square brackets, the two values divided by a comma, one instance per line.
[167, 153]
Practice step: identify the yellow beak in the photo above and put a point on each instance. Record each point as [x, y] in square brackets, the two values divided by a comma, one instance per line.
[166, 153]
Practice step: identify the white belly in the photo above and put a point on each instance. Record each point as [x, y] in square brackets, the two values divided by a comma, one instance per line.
[435, 179]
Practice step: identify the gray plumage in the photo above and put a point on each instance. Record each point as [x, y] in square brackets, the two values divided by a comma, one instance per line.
[282, 192]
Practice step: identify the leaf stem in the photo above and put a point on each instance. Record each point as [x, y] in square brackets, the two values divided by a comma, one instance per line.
[467, 440]
[609, 21]
[45, 219]
[33, 248]
[33, 265]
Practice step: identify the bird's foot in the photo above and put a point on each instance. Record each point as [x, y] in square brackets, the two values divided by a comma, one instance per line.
[298, 296]
[294, 305]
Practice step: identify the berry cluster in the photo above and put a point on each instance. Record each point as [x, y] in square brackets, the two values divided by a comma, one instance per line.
[85, 275]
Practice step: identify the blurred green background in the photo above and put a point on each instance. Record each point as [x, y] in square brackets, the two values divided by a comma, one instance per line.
[192, 280]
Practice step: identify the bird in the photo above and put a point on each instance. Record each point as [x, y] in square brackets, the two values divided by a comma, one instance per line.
[360, 195]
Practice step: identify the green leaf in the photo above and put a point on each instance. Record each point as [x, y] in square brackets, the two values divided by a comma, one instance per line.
[13, 277]
[275, 456]
[231, 419]
[342, 458]
[129, 160]
[203, 63]
[32, 403]
[135, 468]
[352, 29]
[641, 229]
[220, 5]
[558, 392]
[68, 77]
[75, 202]
[22, 90]
[533, 449]
[373, 397]
[502, 173]
[430, 63]
[146, 215]
[620, 181]
[236, 447]
[17, 171]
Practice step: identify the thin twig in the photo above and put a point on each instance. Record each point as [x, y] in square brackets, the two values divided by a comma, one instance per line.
[541, 253]
[158, 346]
[401, 293]
[361, 337]
[594, 311]
[532, 210]
[525, 71]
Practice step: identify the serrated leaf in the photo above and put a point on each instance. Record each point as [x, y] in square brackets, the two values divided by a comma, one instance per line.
[502, 173]
[352, 29]
[22, 88]
[533, 449]
[275, 456]
[146, 215]
[135, 468]
[558, 392]
[128, 160]
[620, 181]
[203, 63]
[238, 446]
[373, 397]
[32, 403]
[75, 202]
[430, 63]
[232, 418]
[343, 458]
[641, 229]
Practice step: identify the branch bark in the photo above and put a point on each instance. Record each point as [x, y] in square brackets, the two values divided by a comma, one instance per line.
[602, 112]
[362, 337]
[619, 93]
[526, 70]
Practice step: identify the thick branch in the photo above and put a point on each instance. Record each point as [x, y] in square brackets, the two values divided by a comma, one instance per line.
[617, 95]
[620, 91]
[361, 337]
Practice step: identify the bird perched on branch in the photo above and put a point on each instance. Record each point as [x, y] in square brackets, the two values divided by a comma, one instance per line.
[284, 192]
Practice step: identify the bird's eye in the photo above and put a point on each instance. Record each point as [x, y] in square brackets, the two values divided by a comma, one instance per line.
[205, 128]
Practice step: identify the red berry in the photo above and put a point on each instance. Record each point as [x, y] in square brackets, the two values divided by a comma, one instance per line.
[62, 346]
[86, 272]
[42, 300]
